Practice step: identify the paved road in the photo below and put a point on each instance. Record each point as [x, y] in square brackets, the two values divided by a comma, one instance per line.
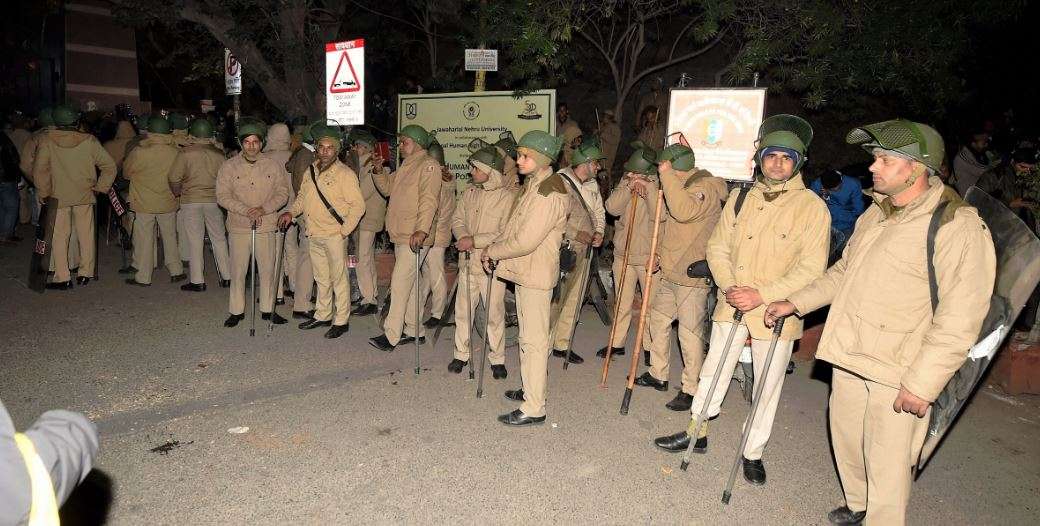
[341, 433]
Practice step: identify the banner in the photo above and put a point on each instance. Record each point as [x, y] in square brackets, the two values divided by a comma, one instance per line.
[721, 126]
[458, 118]
[232, 74]
[345, 82]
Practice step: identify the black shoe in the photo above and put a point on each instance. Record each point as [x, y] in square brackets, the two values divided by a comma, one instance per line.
[309, 315]
[615, 351]
[178, 277]
[381, 342]
[274, 317]
[681, 402]
[680, 441]
[843, 516]
[574, 358]
[60, 285]
[515, 394]
[499, 372]
[194, 287]
[314, 324]
[432, 323]
[648, 380]
[129, 269]
[518, 418]
[288, 293]
[646, 358]
[83, 280]
[365, 309]
[337, 330]
[754, 472]
[411, 339]
[224, 283]
[234, 319]
[279, 301]
[456, 366]
[133, 281]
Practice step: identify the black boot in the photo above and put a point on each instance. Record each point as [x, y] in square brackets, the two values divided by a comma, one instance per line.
[234, 319]
[754, 472]
[83, 280]
[381, 342]
[194, 287]
[303, 315]
[680, 441]
[615, 351]
[456, 366]
[574, 358]
[843, 516]
[518, 418]
[516, 395]
[681, 402]
[179, 277]
[274, 317]
[60, 285]
[129, 269]
[365, 309]
[337, 330]
[313, 324]
[432, 323]
[411, 339]
[499, 372]
[648, 380]
[133, 281]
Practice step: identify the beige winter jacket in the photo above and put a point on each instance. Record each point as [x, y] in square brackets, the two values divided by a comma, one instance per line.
[27, 156]
[568, 131]
[414, 189]
[148, 167]
[445, 210]
[881, 324]
[579, 213]
[242, 185]
[117, 146]
[617, 205]
[66, 167]
[277, 148]
[776, 247]
[375, 204]
[298, 165]
[194, 171]
[528, 249]
[693, 203]
[482, 213]
[339, 185]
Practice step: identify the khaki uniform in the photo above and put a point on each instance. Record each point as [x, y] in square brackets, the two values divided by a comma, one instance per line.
[414, 189]
[528, 254]
[609, 139]
[371, 224]
[568, 131]
[242, 185]
[777, 246]
[27, 160]
[301, 273]
[194, 174]
[617, 204]
[432, 282]
[585, 215]
[327, 237]
[148, 168]
[481, 213]
[277, 148]
[693, 204]
[66, 167]
[881, 334]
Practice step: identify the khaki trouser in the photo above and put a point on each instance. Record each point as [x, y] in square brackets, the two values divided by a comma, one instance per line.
[78, 219]
[672, 301]
[301, 279]
[532, 309]
[874, 447]
[763, 421]
[569, 308]
[433, 283]
[239, 245]
[476, 289]
[73, 249]
[200, 218]
[182, 236]
[401, 318]
[628, 294]
[330, 271]
[292, 251]
[144, 244]
[366, 267]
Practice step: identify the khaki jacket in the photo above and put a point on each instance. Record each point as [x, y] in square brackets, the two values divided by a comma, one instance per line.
[414, 189]
[881, 324]
[777, 247]
[194, 171]
[693, 203]
[66, 168]
[242, 185]
[568, 131]
[528, 249]
[375, 204]
[445, 210]
[609, 139]
[339, 185]
[617, 205]
[27, 156]
[277, 148]
[117, 146]
[298, 165]
[482, 213]
[149, 169]
[579, 213]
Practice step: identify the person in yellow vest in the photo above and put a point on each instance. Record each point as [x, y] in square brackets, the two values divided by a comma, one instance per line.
[330, 199]
[148, 168]
[66, 167]
[193, 178]
[40, 467]
[371, 223]
[433, 283]
[480, 216]
[414, 189]
[527, 252]
[252, 188]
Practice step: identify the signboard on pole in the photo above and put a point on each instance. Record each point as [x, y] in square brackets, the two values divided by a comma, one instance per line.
[345, 82]
[481, 60]
[721, 126]
[232, 73]
[458, 118]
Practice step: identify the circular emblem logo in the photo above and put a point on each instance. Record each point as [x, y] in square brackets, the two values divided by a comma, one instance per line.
[471, 110]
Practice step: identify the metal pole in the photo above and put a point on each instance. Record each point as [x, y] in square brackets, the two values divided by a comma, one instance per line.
[252, 279]
[418, 308]
[487, 339]
[619, 288]
[277, 276]
[469, 308]
[581, 292]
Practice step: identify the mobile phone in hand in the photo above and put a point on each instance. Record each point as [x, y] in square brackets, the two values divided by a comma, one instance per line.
[383, 147]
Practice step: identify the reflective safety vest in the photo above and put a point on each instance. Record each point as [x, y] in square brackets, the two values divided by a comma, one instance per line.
[43, 510]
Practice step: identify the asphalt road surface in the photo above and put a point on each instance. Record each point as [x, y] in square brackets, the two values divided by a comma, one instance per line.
[340, 433]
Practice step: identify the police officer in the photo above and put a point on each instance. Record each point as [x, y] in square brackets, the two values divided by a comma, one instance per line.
[433, 282]
[363, 144]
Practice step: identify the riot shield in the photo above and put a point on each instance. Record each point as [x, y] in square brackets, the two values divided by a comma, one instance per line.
[40, 259]
[1018, 272]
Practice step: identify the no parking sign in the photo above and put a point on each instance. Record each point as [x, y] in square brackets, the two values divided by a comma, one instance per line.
[345, 82]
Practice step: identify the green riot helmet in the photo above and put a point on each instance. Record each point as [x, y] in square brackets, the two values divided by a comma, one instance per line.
[543, 144]
[478, 144]
[362, 136]
[786, 132]
[158, 124]
[507, 142]
[178, 121]
[201, 128]
[418, 134]
[912, 139]
[488, 158]
[586, 152]
[642, 162]
[251, 126]
[321, 130]
[436, 151]
[65, 116]
[46, 117]
[681, 157]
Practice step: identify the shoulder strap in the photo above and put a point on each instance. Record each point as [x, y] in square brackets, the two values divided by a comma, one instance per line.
[741, 195]
[324, 201]
[933, 230]
[577, 193]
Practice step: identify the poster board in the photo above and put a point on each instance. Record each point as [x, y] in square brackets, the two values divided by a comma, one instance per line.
[721, 126]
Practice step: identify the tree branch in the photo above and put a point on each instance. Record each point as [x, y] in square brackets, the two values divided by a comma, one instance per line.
[678, 38]
[387, 15]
